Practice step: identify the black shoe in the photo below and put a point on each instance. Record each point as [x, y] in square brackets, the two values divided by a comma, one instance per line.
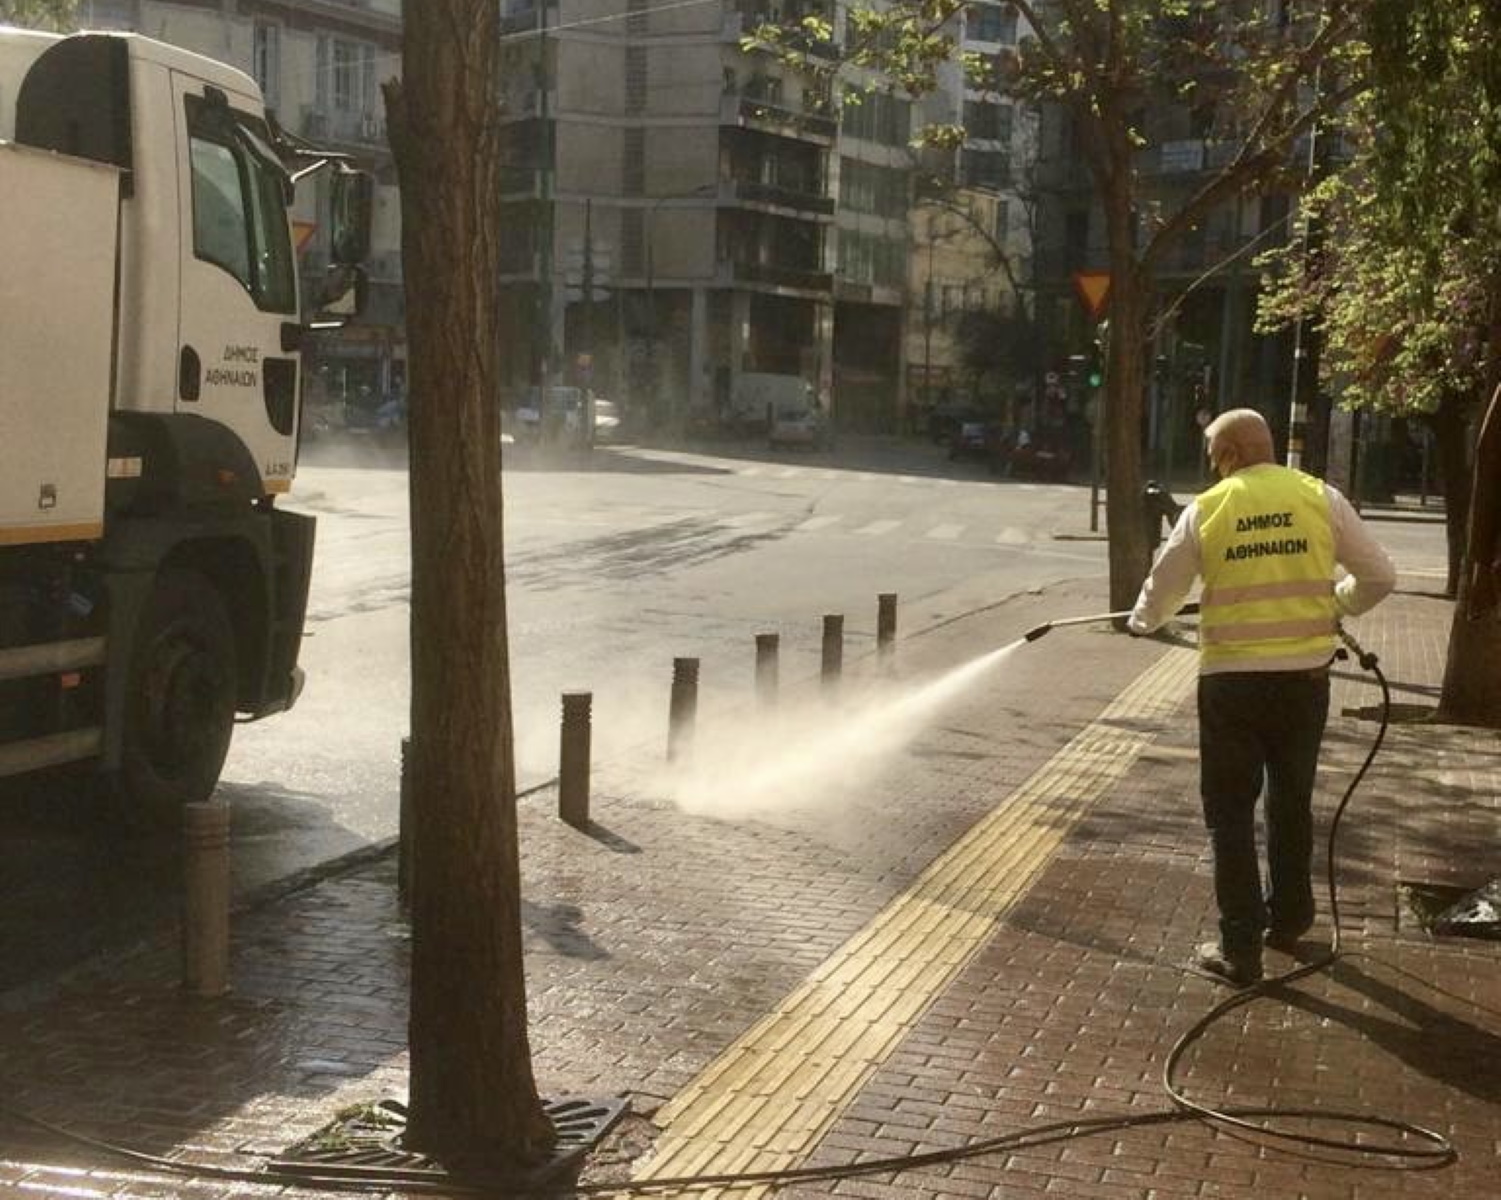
[1242, 970]
[1287, 939]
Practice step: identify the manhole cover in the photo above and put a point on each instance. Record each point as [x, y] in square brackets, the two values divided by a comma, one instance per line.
[364, 1145]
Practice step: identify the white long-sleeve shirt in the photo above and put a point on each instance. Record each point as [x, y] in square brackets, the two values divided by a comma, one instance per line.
[1370, 579]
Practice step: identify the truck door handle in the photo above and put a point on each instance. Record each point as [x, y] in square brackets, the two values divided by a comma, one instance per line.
[189, 374]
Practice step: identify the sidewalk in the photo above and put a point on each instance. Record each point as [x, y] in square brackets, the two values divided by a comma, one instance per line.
[982, 931]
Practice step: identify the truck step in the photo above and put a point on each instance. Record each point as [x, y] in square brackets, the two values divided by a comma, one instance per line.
[34, 754]
[50, 658]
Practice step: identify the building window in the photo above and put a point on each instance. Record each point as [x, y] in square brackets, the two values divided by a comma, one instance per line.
[266, 60]
[985, 168]
[866, 258]
[992, 23]
[322, 71]
[986, 121]
[877, 117]
[866, 188]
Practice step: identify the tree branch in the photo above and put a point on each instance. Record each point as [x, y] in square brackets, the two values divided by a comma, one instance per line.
[1241, 173]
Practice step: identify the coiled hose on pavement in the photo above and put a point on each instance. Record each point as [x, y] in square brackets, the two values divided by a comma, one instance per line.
[1410, 1145]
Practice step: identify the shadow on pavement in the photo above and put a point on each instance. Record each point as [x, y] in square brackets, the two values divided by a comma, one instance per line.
[1434, 1043]
[78, 886]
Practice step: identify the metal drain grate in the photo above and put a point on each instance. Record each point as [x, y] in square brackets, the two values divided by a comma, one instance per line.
[364, 1145]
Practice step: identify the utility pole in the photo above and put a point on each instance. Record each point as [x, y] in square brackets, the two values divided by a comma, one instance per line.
[546, 224]
[1307, 342]
[586, 330]
[927, 319]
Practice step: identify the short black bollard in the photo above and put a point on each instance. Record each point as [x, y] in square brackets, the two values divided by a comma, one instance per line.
[885, 623]
[833, 649]
[683, 710]
[405, 830]
[573, 759]
[768, 646]
[205, 917]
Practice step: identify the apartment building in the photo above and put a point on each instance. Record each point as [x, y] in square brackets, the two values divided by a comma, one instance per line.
[972, 234]
[320, 64]
[667, 206]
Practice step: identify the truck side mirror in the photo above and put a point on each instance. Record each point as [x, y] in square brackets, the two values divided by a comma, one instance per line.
[343, 294]
[351, 202]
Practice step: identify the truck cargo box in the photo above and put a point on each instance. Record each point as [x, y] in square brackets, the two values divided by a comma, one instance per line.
[58, 241]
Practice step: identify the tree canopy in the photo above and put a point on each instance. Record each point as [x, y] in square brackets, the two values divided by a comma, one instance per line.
[39, 14]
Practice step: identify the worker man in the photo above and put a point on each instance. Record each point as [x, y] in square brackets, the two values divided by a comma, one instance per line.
[1266, 540]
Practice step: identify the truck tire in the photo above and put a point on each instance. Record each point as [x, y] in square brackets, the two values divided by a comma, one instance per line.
[180, 701]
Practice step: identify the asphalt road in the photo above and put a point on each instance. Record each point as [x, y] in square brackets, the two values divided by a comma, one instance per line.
[614, 567]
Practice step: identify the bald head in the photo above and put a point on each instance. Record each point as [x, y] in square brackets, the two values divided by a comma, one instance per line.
[1238, 439]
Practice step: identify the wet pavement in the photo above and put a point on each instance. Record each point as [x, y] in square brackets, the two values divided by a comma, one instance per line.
[983, 928]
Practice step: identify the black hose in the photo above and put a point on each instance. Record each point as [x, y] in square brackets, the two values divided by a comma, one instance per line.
[1435, 1150]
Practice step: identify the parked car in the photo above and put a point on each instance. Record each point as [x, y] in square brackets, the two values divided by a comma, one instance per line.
[972, 438]
[1042, 461]
[606, 421]
[799, 425]
[945, 419]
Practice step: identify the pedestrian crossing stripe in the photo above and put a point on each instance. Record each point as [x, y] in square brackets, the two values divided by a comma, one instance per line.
[945, 533]
[766, 1102]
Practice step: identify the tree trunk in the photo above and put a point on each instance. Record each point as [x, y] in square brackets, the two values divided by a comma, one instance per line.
[473, 1100]
[1125, 379]
[1449, 430]
[1472, 674]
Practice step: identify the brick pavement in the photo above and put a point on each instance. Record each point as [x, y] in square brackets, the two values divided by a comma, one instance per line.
[657, 938]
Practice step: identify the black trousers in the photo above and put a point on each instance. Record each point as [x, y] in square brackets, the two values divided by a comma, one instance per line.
[1255, 728]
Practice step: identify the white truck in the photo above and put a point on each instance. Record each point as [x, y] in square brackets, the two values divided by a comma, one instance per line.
[757, 396]
[150, 334]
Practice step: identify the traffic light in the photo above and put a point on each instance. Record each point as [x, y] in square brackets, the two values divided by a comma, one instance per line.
[1094, 367]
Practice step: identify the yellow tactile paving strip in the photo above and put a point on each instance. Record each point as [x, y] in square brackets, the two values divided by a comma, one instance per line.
[764, 1103]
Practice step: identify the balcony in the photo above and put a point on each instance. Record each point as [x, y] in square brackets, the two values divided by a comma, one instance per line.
[520, 183]
[793, 278]
[521, 17]
[768, 195]
[344, 127]
[746, 112]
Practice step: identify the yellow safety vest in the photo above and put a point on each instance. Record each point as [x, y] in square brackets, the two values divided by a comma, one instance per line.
[1268, 566]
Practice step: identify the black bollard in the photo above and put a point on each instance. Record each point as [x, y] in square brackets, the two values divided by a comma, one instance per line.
[683, 709]
[885, 624]
[768, 646]
[573, 759]
[833, 649]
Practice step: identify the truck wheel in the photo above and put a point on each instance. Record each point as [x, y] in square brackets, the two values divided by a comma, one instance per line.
[180, 702]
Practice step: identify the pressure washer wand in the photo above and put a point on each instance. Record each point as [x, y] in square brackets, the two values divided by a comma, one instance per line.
[1033, 634]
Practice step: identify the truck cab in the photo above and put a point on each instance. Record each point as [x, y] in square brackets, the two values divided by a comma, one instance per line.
[151, 323]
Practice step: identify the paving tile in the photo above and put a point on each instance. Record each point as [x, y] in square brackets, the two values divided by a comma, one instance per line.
[643, 966]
